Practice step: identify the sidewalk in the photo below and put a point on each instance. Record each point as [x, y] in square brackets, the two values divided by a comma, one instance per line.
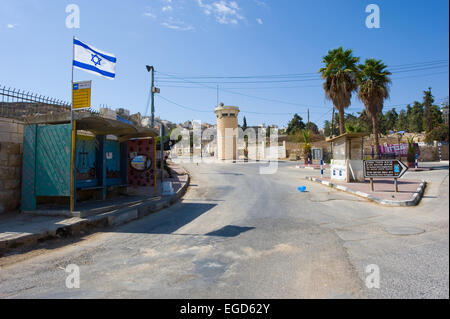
[18, 230]
[410, 192]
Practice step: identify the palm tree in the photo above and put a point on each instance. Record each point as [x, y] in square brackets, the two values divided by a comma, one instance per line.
[374, 83]
[339, 74]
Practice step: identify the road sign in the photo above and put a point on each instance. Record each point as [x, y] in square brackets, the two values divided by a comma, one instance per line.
[384, 168]
[81, 97]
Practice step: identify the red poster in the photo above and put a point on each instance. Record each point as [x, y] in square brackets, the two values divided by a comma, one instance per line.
[141, 163]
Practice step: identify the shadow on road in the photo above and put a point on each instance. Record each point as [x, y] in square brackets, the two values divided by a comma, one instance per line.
[230, 231]
[168, 221]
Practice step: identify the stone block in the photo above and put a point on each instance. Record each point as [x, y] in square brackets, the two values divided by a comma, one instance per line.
[6, 195]
[16, 138]
[3, 153]
[14, 160]
[12, 148]
[5, 137]
[8, 126]
[11, 184]
[7, 172]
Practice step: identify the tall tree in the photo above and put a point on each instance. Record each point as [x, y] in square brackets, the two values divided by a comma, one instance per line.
[339, 74]
[244, 126]
[431, 112]
[295, 125]
[374, 83]
[415, 118]
[312, 127]
[327, 129]
[390, 120]
[428, 101]
[364, 121]
[402, 122]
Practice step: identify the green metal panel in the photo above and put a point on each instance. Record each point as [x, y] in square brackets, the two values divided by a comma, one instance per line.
[112, 148]
[28, 200]
[53, 160]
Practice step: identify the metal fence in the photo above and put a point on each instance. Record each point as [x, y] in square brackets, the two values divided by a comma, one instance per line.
[19, 104]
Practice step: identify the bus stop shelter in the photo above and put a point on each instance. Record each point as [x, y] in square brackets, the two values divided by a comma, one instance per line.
[101, 157]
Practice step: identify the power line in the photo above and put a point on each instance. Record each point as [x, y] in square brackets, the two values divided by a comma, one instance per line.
[262, 98]
[294, 87]
[176, 80]
[209, 111]
[412, 67]
[309, 74]
[182, 106]
[246, 95]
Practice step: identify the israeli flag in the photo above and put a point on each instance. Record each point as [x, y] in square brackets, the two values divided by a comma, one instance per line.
[93, 60]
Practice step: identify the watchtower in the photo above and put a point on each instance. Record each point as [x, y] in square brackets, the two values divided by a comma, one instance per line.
[227, 131]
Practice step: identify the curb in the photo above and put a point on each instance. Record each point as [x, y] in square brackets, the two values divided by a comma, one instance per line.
[114, 218]
[414, 201]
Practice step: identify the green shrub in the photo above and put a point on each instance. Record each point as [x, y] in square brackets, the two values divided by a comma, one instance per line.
[411, 154]
[439, 133]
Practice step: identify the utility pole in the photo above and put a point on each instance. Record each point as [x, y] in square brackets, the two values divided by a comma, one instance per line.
[332, 122]
[308, 116]
[153, 91]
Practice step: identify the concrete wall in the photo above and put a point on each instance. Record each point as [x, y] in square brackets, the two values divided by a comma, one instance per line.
[11, 139]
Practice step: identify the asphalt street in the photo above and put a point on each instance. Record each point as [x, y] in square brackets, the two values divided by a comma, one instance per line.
[240, 234]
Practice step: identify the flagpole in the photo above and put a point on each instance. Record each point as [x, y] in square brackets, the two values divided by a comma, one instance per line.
[73, 136]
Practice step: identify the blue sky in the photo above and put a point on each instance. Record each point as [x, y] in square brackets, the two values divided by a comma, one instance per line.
[223, 38]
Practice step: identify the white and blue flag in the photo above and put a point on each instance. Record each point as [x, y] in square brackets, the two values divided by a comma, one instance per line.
[93, 60]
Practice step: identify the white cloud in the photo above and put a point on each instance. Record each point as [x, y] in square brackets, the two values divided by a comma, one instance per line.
[260, 21]
[11, 26]
[167, 8]
[177, 25]
[148, 13]
[261, 3]
[225, 12]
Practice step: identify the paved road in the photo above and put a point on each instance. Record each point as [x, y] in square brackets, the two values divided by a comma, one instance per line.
[239, 234]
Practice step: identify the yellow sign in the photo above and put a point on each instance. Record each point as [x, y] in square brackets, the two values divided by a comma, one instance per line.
[81, 95]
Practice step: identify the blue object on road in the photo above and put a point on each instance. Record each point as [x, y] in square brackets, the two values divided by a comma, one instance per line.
[302, 189]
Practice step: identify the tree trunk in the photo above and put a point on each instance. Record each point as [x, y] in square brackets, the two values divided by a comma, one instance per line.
[341, 121]
[377, 140]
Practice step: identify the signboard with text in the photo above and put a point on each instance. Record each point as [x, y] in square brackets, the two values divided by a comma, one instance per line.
[81, 96]
[384, 168]
[398, 149]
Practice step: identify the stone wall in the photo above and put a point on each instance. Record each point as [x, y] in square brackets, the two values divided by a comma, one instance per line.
[444, 152]
[11, 139]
